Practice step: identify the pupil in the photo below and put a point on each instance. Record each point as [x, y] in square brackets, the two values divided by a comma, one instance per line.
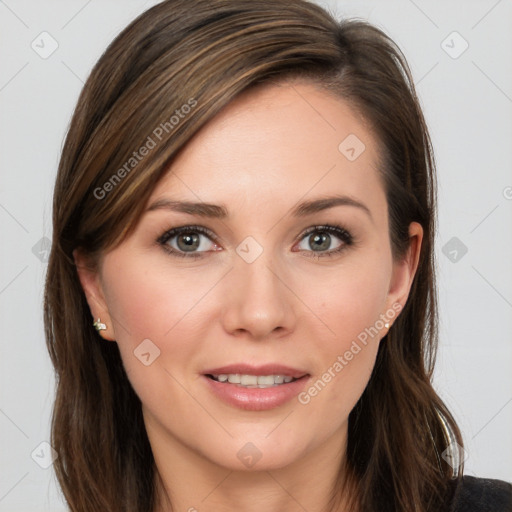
[190, 241]
[321, 241]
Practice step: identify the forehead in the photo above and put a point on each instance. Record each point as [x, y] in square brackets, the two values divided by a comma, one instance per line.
[277, 143]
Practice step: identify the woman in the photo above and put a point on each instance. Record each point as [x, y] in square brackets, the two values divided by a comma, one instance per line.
[240, 302]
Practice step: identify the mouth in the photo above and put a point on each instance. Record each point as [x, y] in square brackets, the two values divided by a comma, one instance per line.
[255, 388]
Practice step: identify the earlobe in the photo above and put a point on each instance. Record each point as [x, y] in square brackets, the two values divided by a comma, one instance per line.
[405, 269]
[91, 285]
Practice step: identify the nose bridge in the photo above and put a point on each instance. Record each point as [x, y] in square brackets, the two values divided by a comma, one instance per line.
[254, 269]
[257, 300]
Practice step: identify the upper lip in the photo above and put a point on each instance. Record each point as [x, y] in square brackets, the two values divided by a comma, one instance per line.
[265, 369]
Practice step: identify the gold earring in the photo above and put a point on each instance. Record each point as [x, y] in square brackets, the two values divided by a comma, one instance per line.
[99, 326]
[386, 325]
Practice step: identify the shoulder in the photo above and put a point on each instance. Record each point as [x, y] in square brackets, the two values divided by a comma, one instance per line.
[474, 494]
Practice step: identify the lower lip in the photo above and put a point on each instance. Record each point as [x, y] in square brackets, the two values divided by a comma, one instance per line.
[256, 399]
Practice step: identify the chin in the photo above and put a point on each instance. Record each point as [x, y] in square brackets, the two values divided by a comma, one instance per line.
[257, 453]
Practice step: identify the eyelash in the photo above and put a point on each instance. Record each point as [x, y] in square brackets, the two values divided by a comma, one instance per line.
[339, 231]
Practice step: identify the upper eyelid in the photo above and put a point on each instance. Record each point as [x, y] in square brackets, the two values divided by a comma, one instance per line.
[171, 233]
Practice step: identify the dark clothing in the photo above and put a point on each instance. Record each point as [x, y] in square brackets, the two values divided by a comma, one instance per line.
[482, 495]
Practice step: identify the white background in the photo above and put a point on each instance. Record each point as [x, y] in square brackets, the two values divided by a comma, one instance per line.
[468, 106]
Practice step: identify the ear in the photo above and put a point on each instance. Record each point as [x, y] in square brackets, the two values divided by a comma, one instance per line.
[405, 269]
[91, 284]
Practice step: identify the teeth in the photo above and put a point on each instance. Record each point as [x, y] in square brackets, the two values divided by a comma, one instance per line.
[267, 379]
[253, 381]
[248, 380]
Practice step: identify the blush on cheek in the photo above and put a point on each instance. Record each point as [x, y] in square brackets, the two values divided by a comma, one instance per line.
[136, 304]
[354, 321]
[350, 355]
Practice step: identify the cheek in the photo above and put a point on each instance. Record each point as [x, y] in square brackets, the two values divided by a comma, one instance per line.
[352, 301]
[152, 314]
[350, 307]
[147, 299]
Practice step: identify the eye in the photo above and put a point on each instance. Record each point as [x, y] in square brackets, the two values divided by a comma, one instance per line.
[193, 241]
[320, 239]
[188, 241]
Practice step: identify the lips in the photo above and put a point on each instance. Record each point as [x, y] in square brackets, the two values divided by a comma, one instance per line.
[255, 388]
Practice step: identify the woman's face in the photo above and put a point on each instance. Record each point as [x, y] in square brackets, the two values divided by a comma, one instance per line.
[257, 291]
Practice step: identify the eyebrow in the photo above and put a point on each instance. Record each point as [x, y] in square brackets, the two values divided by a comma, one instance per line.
[220, 211]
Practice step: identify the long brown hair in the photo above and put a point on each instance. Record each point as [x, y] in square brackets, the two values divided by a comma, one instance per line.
[203, 53]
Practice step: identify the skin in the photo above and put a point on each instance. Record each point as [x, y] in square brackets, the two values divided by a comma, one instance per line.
[271, 148]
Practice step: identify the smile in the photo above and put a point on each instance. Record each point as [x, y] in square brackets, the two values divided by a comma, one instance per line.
[253, 381]
[255, 388]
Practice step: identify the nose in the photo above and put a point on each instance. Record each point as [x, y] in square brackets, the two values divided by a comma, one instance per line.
[259, 303]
